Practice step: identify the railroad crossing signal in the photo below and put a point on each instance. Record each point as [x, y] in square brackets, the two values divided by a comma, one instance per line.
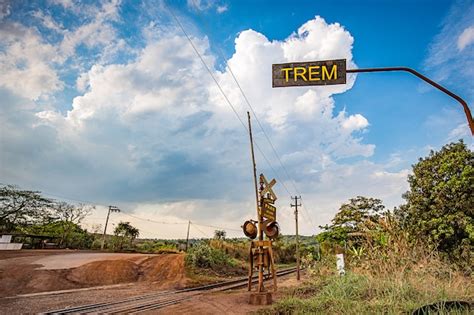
[266, 188]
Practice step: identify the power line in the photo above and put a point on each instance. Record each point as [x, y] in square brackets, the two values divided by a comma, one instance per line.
[153, 221]
[238, 117]
[122, 211]
[217, 227]
[203, 233]
[223, 93]
[251, 108]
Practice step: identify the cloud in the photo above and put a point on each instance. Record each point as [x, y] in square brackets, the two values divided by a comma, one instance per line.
[48, 21]
[466, 38]
[67, 4]
[355, 122]
[222, 8]
[205, 5]
[33, 64]
[98, 32]
[27, 62]
[4, 9]
[155, 132]
[451, 55]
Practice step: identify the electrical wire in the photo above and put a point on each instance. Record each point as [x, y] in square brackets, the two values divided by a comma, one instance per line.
[218, 227]
[203, 233]
[238, 117]
[122, 211]
[153, 221]
[251, 108]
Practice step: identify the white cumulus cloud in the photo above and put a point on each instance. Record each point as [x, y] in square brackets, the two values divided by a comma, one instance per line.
[466, 38]
[155, 132]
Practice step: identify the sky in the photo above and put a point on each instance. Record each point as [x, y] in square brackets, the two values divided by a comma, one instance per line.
[142, 105]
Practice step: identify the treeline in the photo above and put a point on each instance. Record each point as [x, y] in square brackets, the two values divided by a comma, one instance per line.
[26, 212]
[437, 217]
[35, 219]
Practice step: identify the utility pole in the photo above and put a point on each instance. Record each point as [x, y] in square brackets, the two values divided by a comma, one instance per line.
[113, 209]
[254, 167]
[296, 205]
[187, 235]
[259, 216]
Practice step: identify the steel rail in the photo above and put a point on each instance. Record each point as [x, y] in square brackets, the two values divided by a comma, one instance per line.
[152, 305]
[463, 103]
[172, 302]
[152, 297]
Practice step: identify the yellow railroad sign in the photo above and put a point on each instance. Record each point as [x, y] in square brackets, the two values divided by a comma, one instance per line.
[268, 211]
[326, 72]
[268, 200]
[267, 187]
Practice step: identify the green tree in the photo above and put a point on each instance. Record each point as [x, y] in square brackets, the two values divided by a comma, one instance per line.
[69, 217]
[22, 207]
[219, 234]
[124, 231]
[76, 237]
[440, 203]
[351, 219]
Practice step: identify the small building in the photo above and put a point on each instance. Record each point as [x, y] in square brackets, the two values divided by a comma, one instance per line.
[6, 244]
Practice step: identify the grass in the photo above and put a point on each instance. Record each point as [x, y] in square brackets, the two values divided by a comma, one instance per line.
[363, 294]
[395, 278]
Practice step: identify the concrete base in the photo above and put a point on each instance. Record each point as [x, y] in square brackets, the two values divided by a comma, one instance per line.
[260, 298]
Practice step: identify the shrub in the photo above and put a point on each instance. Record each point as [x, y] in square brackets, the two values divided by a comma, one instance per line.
[156, 247]
[204, 256]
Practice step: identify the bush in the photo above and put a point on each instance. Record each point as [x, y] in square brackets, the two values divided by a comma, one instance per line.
[156, 247]
[204, 256]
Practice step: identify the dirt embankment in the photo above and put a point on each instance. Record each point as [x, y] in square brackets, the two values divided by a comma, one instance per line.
[164, 271]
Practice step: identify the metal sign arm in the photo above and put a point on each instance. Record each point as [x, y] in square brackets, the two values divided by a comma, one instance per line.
[467, 111]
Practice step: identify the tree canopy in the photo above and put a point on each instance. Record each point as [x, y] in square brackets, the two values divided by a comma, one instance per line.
[219, 234]
[28, 212]
[21, 207]
[351, 217]
[440, 202]
[124, 231]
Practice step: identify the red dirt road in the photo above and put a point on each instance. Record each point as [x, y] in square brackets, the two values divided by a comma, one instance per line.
[150, 274]
[38, 271]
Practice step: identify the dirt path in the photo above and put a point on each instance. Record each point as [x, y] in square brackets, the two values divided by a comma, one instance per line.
[73, 260]
[144, 274]
[40, 272]
[233, 302]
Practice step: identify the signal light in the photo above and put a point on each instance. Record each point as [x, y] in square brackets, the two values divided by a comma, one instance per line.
[250, 229]
[271, 229]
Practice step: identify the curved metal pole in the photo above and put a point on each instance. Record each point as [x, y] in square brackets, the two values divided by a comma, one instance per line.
[467, 111]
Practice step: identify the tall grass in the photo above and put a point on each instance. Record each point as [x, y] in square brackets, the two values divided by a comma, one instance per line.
[387, 273]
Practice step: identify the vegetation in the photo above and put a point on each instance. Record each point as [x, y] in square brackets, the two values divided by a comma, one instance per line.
[349, 222]
[124, 233]
[22, 207]
[400, 260]
[27, 212]
[219, 234]
[440, 202]
[396, 260]
[156, 247]
[362, 294]
[207, 257]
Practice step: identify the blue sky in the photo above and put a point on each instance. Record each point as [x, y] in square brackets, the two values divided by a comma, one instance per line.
[107, 102]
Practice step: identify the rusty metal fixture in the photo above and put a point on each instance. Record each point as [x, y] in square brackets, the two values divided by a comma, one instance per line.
[250, 229]
[463, 103]
[271, 229]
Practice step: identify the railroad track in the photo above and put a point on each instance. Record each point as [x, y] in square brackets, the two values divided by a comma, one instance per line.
[154, 301]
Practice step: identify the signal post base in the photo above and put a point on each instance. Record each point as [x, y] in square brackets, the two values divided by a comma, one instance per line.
[260, 298]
